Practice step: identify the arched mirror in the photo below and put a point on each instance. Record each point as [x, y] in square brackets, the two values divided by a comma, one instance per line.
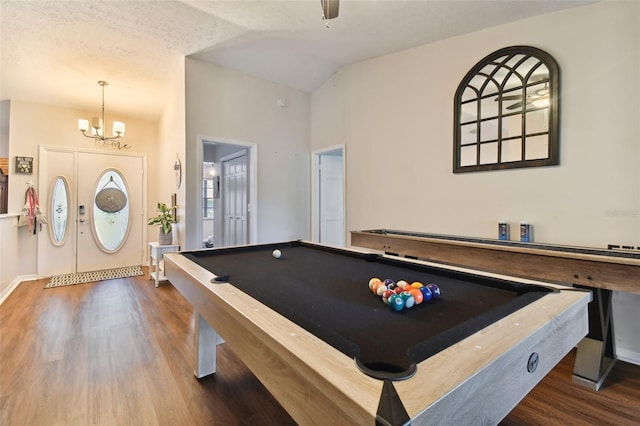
[59, 210]
[111, 216]
[507, 112]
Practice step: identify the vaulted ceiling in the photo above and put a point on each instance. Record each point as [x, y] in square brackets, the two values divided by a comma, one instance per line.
[54, 52]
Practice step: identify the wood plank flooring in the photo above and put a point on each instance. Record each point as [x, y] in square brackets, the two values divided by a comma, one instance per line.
[120, 352]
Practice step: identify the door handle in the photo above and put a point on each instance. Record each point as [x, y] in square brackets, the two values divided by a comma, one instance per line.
[82, 220]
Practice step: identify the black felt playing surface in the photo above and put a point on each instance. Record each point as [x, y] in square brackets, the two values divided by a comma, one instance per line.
[326, 292]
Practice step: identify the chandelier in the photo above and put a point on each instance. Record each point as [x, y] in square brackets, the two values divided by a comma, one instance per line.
[97, 127]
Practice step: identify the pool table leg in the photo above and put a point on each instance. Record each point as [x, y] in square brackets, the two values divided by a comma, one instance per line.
[596, 353]
[206, 341]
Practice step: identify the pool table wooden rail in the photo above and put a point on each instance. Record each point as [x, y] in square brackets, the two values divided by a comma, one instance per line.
[479, 380]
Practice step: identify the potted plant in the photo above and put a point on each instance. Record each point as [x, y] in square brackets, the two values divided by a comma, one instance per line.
[165, 219]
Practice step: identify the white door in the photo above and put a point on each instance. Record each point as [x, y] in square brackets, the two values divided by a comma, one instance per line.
[328, 214]
[60, 258]
[235, 199]
[331, 200]
[99, 237]
[95, 251]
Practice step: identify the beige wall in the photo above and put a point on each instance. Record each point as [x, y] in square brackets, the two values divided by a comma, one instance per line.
[8, 264]
[225, 105]
[171, 146]
[402, 105]
[395, 115]
[4, 128]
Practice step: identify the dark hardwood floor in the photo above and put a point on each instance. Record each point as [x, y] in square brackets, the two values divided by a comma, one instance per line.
[120, 352]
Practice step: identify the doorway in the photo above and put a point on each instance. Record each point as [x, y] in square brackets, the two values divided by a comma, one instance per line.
[228, 184]
[104, 210]
[328, 202]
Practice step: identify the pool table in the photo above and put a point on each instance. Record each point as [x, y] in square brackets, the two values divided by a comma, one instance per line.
[602, 271]
[331, 352]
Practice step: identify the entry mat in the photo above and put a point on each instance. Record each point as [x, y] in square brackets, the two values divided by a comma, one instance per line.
[88, 277]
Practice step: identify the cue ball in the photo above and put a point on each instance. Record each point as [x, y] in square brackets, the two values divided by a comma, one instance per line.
[276, 253]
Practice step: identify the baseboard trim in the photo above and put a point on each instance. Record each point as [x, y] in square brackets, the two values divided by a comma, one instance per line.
[14, 284]
[628, 356]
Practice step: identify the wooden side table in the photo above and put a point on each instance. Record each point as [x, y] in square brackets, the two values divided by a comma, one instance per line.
[156, 252]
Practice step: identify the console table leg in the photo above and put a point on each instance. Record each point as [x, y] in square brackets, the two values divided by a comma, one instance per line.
[596, 353]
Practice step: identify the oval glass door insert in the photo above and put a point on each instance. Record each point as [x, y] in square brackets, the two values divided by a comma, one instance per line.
[59, 210]
[111, 216]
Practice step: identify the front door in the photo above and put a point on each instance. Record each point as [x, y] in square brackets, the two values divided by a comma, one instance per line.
[105, 212]
[109, 239]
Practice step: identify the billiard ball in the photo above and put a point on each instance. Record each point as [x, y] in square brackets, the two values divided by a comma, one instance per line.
[276, 253]
[388, 281]
[373, 281]
[396, 303]
[434, 289]
[426, 293]
[409, 301]
[417, 295]
[381, 289]
[402, 283]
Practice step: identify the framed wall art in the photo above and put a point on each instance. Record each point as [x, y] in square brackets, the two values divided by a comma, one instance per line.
[24, 165]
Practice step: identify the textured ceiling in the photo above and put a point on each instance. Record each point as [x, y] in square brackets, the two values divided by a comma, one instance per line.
[54, 52]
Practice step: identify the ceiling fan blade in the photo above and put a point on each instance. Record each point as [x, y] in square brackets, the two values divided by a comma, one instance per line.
[536, 97]
[515, 106]
[511, 98]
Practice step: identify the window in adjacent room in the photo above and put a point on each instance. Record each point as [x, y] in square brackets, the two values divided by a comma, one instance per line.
[208, 190]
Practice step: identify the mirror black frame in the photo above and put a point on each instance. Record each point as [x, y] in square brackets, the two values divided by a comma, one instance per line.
[501, 60]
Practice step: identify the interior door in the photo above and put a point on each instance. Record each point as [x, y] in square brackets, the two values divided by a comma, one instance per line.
[95, 251]
[235, 199]
[80, 251]
[331, 200]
